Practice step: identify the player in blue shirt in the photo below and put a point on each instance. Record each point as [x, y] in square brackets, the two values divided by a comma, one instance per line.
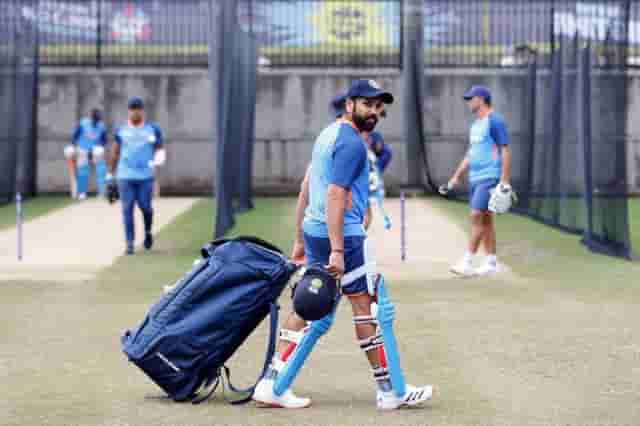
[89, 141]
[379, 157]
[137, 151]
[333, 235]
[489, 162]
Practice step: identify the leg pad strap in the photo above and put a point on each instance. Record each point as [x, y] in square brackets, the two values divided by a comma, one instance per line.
[371, 343]
[291, 335]
[365, 319]
[381, 374]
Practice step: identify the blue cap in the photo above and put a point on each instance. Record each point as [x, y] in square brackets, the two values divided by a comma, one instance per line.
[338, 104]
[136, 103]
[369, 89]
[479, 91]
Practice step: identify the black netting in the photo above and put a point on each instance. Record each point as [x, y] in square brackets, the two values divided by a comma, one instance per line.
[605, 88]
[566, 109]
[18, 100]
[233, 71]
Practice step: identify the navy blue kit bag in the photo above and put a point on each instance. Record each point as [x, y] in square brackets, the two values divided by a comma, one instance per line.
[189, 334]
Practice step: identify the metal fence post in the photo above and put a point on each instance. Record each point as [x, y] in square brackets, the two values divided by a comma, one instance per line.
[99, 36]
[413, 76]
[19, 223]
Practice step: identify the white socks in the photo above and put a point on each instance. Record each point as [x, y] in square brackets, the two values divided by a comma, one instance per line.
[491, 259]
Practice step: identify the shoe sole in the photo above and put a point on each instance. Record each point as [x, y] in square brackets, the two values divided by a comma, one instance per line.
[262, 404]
[459, 274]
[487, 274]
[407, 405]
[389, 409]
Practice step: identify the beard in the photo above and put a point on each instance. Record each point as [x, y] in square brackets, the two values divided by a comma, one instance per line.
[365, 123]
[136, 118]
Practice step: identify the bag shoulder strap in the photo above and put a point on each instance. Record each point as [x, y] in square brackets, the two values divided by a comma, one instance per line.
[242, 396]
[208, 248]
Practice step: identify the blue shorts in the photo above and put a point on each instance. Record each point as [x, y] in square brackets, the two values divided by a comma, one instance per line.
[480, 194]
[317, 250]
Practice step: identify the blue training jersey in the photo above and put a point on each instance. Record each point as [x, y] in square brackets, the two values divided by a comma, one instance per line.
[485, 137]
[340, 158]
[86, 135]
[137, 146]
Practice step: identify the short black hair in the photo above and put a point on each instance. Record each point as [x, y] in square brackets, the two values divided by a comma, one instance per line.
[96, 114]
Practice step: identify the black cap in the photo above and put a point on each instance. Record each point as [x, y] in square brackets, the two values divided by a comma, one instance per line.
[136, 103]
[369, 89]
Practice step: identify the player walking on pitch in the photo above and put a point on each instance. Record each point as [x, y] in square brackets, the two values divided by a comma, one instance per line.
[488, 161]
[87, 146]
[332, 234]
[137, 151]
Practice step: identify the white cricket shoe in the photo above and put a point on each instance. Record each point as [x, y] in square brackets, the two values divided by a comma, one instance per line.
[487, 269]
[463, 268]
[413, 396]
[265, 398]
[82, 196]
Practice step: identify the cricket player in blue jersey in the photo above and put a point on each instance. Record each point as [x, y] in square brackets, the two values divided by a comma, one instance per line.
[138, 149]
[488, 161]
[331, 232]
[88, 146]
[379, 157]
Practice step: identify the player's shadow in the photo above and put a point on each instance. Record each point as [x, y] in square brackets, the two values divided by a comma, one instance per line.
[359, 402]
[324, 402]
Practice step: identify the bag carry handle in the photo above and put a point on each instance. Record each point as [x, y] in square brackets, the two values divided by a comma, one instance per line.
[208, 248]
[207, 389]
[242, 395]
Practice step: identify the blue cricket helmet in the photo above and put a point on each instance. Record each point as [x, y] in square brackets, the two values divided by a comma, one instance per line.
[316, 294]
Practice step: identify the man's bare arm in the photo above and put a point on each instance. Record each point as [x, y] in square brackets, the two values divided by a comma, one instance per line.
[506, 164]
[336, 202]
[303, 201]
[462, 168]
[368, 216]
[114, 157]
[297, 253]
